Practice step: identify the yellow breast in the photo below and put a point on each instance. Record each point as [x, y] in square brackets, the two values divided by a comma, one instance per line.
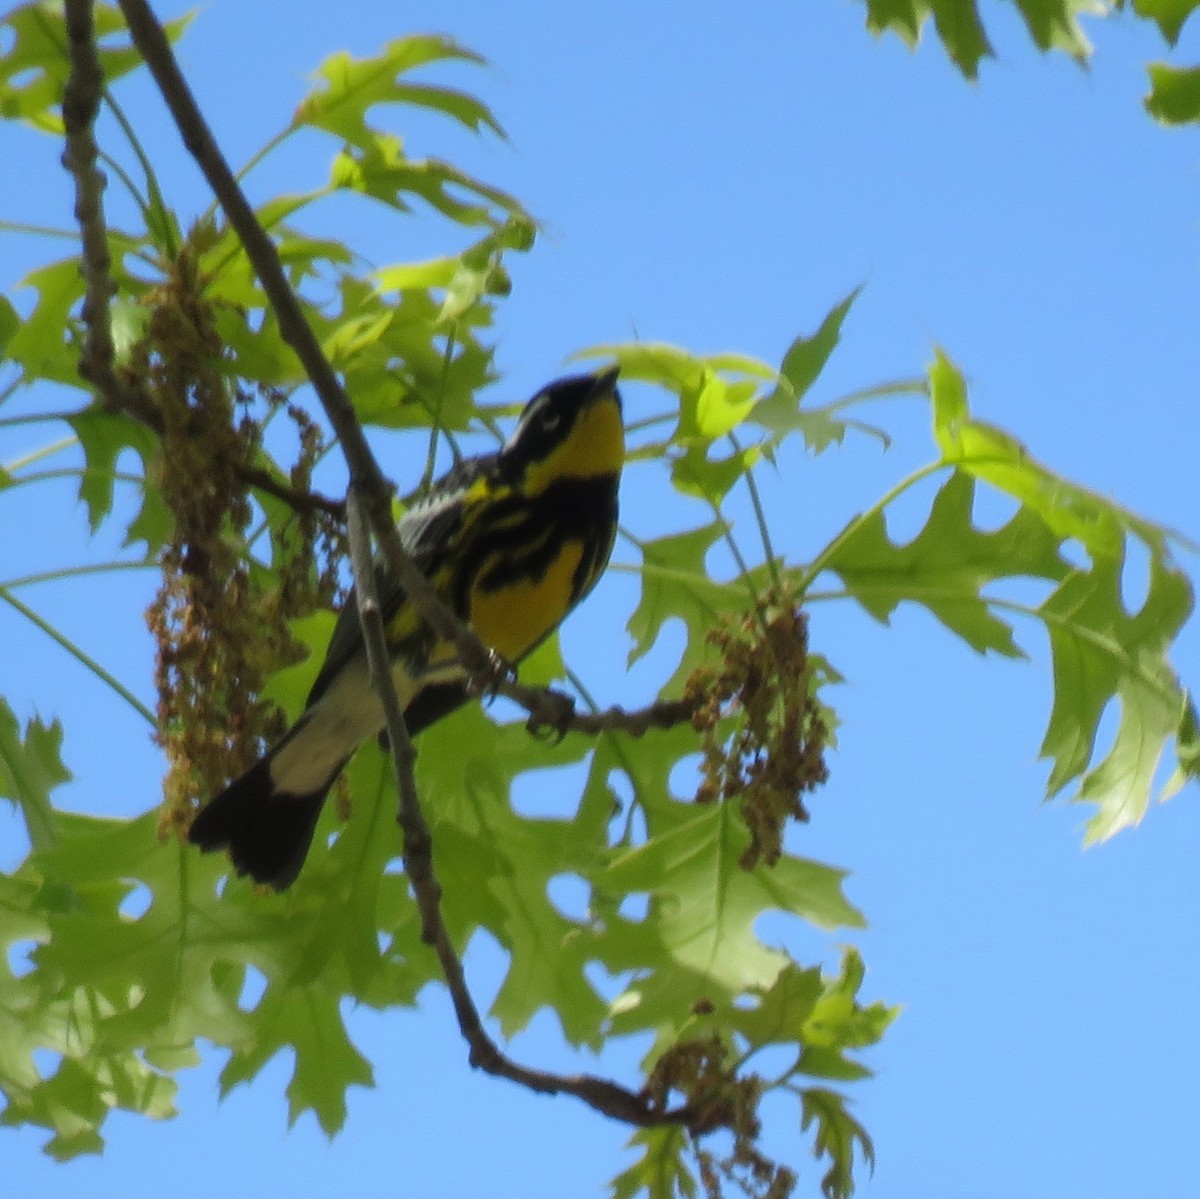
[514, 618]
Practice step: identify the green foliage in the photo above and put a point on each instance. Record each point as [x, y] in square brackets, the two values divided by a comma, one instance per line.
[30, 768]
[1100, 651]
[122, 999]
[1174, 96]
[836, 1134]
[1168, 15]
[1052, 24]
[34, 69]
[662, 1171]
[1174, 93]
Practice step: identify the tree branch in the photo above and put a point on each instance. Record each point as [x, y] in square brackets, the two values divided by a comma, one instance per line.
[607, 1097]
[81, 102]
[297, 500]
[553, 709]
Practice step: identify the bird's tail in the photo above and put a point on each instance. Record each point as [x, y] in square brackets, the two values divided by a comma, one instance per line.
[267, 831]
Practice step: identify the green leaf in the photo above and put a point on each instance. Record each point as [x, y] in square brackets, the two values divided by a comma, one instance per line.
[694, 473]
[781, 412]
[961, 31]
[837, 1021]
[1187, 748]
[417, 276]
[437, 383]
[1102, 653]
[716, 391]
[381, 170]
[103, 437]
[903, 17]
[784, 1008]
[837, 1135]
[21, 919]
[350, 87]
[660, 1173]
[1169, 15]
[34, 69]
[289, 687]
[1052, 24]
[322, 1076]
[87, 987]
[716, 407]
[478, 835]
[822, 1015]
[676, 584]
[806, 356]
[651, 362]
[42, 346]
[30, 768]
[10, 322]
[704, 907]
[1000, 459]
[1174, 93]
[946, 567]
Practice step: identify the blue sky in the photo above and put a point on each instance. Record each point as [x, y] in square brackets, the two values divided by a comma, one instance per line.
[720, 180]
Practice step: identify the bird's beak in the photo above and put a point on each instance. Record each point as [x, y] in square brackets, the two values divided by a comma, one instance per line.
[606, 382]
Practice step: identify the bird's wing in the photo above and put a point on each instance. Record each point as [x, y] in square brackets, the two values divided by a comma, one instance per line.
[427, 531]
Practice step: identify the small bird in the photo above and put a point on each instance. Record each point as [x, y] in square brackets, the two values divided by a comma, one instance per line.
[511, 542]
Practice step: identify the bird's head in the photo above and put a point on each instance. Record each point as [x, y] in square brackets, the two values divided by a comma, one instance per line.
[572, 429]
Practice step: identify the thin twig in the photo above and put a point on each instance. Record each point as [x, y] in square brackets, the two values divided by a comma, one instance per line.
[549, 708]
[299, 501]
[665, 714]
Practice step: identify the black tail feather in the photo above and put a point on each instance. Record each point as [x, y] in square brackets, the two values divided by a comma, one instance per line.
[267, 832]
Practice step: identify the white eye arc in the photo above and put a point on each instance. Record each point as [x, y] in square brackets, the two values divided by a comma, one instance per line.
[551, 419]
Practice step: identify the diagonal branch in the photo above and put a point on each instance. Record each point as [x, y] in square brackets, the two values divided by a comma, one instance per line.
[371, 493]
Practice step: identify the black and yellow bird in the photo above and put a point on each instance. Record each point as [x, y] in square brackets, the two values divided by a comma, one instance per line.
[511, 541]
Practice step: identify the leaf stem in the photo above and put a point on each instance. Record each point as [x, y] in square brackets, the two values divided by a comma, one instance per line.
[153, 203]
[80, 655]
[38, 230]
[760, 517]
[36, 418]
[70, 572]
[37, 455]
[648, 422]
[880, 391]
[78, 472]
[436, 423]
[809, 573]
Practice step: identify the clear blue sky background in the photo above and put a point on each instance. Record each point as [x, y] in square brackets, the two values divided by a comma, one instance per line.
[720, 177]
